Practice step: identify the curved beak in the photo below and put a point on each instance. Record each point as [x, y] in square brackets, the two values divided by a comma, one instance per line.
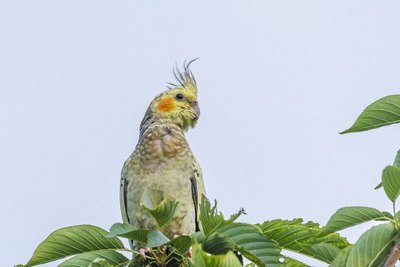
[196, 108]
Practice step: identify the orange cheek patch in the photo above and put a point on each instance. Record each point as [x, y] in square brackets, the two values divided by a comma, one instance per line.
[166, 105]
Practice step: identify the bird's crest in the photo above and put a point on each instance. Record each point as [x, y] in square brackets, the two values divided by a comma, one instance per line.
[178, 104]
[185, 79]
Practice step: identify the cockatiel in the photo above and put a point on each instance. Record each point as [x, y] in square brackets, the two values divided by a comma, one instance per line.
[162, 163]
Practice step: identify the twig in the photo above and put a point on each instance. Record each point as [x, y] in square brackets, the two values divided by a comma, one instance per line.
[394, 254]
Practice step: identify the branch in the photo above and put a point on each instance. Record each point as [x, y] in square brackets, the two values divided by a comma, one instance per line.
[394, 255]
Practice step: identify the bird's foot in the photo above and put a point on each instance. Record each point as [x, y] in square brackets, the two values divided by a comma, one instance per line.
[144, 251]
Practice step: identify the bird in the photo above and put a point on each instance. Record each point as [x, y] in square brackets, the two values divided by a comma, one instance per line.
[162, 162]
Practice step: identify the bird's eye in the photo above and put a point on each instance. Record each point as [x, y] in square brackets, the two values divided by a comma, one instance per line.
[179, 96]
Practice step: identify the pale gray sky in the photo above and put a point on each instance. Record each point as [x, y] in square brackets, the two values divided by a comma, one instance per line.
[277, 81]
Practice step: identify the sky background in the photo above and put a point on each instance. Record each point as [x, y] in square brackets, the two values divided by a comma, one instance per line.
[277, 81]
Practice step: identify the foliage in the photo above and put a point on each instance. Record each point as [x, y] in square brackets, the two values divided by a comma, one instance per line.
[304, 238]
[382, 112]
[85, 240]
[225, 242]
[201, 259]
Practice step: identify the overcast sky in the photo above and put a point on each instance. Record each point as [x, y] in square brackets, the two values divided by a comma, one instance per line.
[277, 81]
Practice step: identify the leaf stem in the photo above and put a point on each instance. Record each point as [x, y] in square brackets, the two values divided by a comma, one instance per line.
[396, 222]
[134, 252]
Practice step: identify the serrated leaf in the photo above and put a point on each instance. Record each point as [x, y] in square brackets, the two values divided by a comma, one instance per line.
[383, 112]
[201, 259]
[181, 243]
[341, 258]
[253, 244]
[349, 216]
[163, 212]
[391, 182]
[247, 239]
[297, 236]
[87, 258]
[373, 246]
[73, 240]
[211, 219]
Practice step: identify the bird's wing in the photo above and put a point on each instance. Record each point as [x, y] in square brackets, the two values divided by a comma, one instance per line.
[195, 202]
[124, 191]
[124, 198]
[197, 185]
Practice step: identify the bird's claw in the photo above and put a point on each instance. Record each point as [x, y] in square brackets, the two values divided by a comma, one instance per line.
[143, 251]
[190, 252]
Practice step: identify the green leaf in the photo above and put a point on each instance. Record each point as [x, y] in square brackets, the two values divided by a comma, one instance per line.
[373, 246]
[247, 239]
[87, 258]
[395, 163]
[289, 262]
[120, 229]
[201, 259]
[341, 258]
[391, 182]
[162, 212]
[148, 238]
[198, 236]
[218, 244]
[397, 159]
[324, 251]
[72, 240]
[296, 236]
[378, 186]
[128, 231]
[350, 216]
[155, 239]
[211, 219]
[253, 244]
[182, 244]
[100, 263]
[383, 112]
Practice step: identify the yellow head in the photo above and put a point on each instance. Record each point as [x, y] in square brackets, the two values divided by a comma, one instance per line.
[178, 104]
